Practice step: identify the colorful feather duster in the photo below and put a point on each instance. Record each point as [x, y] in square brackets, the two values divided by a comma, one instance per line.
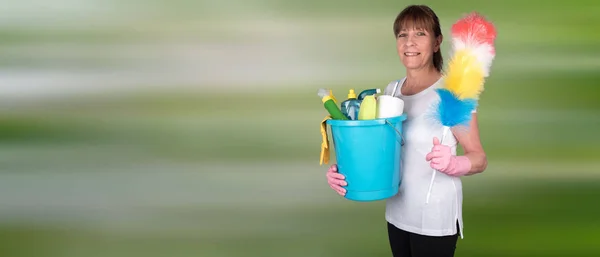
[473, 51]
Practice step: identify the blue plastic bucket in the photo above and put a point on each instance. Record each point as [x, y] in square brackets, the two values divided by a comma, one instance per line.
[368, 154]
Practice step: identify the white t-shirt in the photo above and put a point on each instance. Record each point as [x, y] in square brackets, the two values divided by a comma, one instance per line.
[408, 209]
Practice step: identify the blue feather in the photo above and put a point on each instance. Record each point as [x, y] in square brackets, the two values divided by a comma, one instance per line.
[451, 111]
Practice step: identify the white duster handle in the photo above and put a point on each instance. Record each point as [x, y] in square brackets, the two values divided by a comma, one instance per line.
[446, 129]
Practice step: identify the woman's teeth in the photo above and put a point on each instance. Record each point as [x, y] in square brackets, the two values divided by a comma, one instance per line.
[411, 54]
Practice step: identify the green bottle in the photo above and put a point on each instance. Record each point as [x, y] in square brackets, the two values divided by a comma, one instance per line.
[330, 105]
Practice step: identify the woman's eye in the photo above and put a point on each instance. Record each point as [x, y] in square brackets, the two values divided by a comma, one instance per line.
[420, 33]
[402, 35]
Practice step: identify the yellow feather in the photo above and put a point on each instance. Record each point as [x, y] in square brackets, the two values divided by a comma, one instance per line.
[464, 76]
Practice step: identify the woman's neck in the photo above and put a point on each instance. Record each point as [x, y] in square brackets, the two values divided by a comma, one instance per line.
[418, 80]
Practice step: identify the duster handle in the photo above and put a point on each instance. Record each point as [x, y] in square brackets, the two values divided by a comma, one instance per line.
[446, 129]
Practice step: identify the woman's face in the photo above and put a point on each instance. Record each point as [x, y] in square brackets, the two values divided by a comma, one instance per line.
[416, 48]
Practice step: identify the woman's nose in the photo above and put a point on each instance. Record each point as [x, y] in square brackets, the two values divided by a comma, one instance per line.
[410, 41]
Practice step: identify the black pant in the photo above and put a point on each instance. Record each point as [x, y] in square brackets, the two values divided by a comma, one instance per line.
[406, 244]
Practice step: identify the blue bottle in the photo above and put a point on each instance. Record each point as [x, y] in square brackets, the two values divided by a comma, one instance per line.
[351, 106]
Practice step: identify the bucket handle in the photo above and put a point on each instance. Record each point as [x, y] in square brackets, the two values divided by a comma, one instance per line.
[398, 132]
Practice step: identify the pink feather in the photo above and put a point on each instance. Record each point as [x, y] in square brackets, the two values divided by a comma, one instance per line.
[474, 29]
[477, 34]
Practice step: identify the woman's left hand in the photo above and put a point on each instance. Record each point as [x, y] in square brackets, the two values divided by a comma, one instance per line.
[442, 159]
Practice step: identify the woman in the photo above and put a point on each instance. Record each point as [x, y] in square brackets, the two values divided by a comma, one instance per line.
[417, 228]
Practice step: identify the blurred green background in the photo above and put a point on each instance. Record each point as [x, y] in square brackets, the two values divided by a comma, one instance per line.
[191, 128]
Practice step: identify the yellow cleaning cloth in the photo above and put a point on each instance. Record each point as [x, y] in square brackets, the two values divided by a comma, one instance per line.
[325, 142]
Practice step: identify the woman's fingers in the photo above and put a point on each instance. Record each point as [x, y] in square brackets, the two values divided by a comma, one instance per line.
[336, 180]
[339, 182]
[338, 189]
[335, 175]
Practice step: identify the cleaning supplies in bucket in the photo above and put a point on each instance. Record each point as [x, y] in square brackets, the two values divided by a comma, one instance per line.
[366, 106]
[367, 148]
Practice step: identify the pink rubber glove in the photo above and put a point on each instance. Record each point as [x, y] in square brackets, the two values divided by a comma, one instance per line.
[336, 180]
[441, 159]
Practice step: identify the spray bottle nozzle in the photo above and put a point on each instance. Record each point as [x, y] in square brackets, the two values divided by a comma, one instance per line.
[367, 92]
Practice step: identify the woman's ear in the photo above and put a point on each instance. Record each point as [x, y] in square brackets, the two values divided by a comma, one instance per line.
[438, 43]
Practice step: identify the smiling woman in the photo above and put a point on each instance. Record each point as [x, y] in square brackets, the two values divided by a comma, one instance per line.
[418, 226]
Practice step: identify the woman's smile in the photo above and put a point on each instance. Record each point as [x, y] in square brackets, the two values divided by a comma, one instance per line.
[410, 54]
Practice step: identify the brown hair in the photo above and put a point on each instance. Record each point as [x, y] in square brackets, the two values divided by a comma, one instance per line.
[421, 17]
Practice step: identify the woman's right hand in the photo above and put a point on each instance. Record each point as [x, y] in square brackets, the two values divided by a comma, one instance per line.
[336, 180]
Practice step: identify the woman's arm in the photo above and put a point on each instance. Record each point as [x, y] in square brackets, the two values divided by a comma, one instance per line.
[472, 162]
[471, 143]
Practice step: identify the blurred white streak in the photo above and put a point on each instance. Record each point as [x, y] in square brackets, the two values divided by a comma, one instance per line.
[98, 47]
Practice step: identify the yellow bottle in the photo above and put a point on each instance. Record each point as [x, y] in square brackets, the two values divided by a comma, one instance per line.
[368, 108]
